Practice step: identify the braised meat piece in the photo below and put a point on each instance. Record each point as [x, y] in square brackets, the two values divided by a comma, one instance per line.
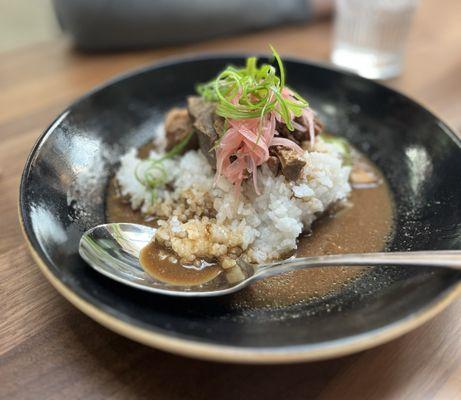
[177, 126]
[298, 136]
[290, 162]
[274, 164]
[318, 126]
[218, 125]
[208, 125]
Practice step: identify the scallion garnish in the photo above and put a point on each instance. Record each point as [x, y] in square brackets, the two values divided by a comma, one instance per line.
[253, 92]
[154, 175]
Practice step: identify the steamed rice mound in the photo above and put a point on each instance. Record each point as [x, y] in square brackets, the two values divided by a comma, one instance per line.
[201, 219]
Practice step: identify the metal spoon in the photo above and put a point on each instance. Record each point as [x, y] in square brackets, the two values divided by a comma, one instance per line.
[113, 250]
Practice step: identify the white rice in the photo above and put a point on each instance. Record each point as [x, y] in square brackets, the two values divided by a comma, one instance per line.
[266, 226]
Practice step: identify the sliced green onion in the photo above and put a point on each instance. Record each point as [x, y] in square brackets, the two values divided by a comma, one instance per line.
[242, 93]
[341, 144]
[150, 178]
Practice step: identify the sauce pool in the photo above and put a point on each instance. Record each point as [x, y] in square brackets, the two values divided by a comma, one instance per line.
[166, 268]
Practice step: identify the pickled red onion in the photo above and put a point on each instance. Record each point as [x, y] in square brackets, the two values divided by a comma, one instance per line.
[245, 145]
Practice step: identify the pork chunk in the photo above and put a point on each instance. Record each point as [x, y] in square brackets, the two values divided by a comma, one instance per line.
[178, 125]
[208, 125]
[274, 164]
[298, 136]
[290, 162]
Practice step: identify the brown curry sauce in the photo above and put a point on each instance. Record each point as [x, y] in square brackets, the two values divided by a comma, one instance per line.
[364, 224]
[166, 268]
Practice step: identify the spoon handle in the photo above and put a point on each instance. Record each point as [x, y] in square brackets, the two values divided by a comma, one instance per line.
[437, 258]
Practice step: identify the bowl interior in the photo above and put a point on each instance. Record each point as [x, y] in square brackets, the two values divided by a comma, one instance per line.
[65, 180]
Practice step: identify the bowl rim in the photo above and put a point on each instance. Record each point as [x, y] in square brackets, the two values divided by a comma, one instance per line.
[216, 352]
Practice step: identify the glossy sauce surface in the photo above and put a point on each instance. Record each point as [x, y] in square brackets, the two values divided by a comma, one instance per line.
[165, 267]
[364, 225]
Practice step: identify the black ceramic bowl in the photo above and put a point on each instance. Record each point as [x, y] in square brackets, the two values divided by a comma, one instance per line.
[65, 179]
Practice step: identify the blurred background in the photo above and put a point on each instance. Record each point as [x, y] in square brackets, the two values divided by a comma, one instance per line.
[412, 44]
[368, 36]
[115, 24]
[25, 22]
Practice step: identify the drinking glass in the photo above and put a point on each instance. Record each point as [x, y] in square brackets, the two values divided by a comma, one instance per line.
[370, 36]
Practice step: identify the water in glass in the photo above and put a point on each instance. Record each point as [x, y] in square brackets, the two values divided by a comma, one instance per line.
[370, 35]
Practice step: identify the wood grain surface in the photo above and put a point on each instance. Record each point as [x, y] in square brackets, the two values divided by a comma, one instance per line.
[49, 350]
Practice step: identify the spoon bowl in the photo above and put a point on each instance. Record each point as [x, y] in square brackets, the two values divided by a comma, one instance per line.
[114, 249]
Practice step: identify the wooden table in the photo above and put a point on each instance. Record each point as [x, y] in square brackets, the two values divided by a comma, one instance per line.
[49, 350]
